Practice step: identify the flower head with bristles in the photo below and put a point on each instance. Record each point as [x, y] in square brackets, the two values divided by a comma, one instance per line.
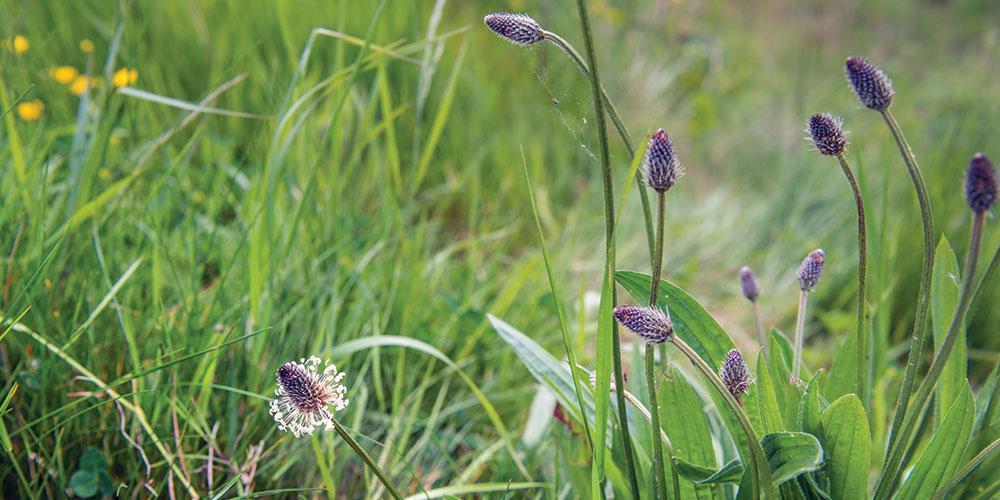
[515, 28]
[873, 88]
[811, 270]
[827, 134]
[660, 163]
[649, 323]
[749, 285]
[305, 392]
[735, 373]
[981, 184]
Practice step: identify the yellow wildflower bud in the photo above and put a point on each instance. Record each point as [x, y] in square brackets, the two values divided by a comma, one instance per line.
[86, 45]
[30, 111]
[20, 45]
[64, 75]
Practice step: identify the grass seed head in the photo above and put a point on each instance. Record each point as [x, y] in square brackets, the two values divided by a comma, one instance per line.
[981, 184]
[649, 323]
[873, 88]
[749, 285]
[660, 162]
[811, 269]
[304, 395]
[515, 28]
[827, 134]
[735, 373]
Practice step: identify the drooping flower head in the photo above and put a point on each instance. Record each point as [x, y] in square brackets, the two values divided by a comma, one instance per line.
[735, 373]
[305, 394]
[827, 134]
[873, 88]
[515, 28]
[649, 323]
[981, 184]
[811, 269]
[660, 162]
[749, 285]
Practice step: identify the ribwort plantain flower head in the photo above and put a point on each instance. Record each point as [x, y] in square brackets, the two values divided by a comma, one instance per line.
[981, 184]
[827, 134]
[811, 269]
[649, 323]
[515, 28]
[749, 285]
[873, 88]
[660, 163]
[734, 373]
[305, 392]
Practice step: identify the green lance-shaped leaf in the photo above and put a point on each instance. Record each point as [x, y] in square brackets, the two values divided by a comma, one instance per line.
[945, 285]
[729, 473]
[684, 420]
[847, 442]
[946, 451]
[792, 454]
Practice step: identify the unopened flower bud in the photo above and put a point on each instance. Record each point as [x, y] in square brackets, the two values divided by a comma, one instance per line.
[734, 373]
[515, 28]
[649, 323]
[873, 88]
[811, 269]
[981, 184]
[660, 162]
[748, 282]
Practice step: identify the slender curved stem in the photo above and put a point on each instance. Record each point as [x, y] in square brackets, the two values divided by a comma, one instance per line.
[609, 223]
[861, 384]
[762, 338]
[616, 119]
[658, 463]
[366, 458]
[894, 464]
[760, 470]
[800, 327]
[920, 331]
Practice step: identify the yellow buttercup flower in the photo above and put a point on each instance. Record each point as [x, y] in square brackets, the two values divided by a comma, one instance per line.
[31, 110]
[20, 45]
[64, 75]
[86, 45]
[124, 77]
[80, 85]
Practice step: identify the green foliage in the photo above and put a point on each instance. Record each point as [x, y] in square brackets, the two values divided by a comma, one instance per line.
[792, 454]
[847, 444]
[945, 452]
[945, 284]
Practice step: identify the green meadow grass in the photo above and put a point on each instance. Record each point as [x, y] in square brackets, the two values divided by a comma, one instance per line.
[264, 192]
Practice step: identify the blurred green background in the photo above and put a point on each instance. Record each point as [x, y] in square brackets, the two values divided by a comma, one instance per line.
[325, 198]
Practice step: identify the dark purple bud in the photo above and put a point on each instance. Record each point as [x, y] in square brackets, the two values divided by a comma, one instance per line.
[981, 184]
[660, 162]
[748, 282]
[811, 269]
[515, 28]
[734, 373]
[873, 88]
[650, 323]
[827, 134]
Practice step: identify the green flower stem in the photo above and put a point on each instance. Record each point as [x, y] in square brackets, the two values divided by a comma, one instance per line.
[658, 463]
[920, 330]
[894, 464]
[800, 327]
[609, 219]
[365, 457]
[762, 337]
[759, 468]
[616, 119]
[861, 385]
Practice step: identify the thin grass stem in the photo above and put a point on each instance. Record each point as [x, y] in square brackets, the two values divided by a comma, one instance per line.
[894, 464]
[762, 338]
[861, 383]
[369, 462]
[660, 479]
[609, 218]
[800, 327]
[919, 336]
[760, 470]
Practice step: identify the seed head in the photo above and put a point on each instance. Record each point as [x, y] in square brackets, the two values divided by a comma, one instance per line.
[811, 269]
[981, 184]
[660, 162]
[515, 28]
[734, 373]
[873, 88]
[827, 134]
[748, 282]
[650, 323]
[304, 393]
